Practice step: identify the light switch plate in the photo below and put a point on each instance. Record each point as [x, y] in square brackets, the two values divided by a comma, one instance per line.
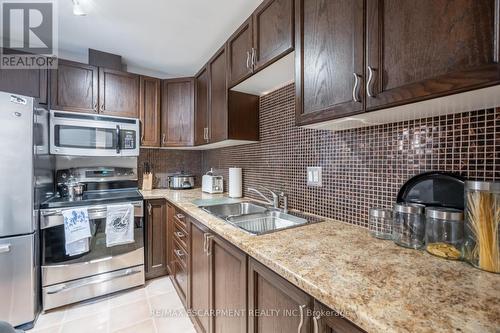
[314, 178]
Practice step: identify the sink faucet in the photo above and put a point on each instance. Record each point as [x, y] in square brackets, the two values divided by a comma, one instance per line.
[276, 198]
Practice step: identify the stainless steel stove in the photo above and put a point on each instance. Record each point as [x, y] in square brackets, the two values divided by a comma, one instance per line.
[101, 270]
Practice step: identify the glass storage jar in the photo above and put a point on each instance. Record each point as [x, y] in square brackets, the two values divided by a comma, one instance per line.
[444, 232]
[482, 218]
[380, 223]
[408, 228]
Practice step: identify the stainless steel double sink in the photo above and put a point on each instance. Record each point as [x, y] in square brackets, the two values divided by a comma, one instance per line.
[257, 219]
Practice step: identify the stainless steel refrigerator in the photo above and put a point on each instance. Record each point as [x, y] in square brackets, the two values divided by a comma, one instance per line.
[26, 178]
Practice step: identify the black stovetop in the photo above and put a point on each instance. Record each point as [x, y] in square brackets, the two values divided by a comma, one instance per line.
[94, 198]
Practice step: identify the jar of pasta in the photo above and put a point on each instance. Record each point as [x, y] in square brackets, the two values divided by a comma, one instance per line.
[482, 218]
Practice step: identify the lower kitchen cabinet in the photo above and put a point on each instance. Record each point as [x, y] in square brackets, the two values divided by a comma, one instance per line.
[180, 255]
[156, 238]
[328, 321]
[283, 307]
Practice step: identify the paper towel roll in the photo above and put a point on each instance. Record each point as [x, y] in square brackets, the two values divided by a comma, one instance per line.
[235, 183]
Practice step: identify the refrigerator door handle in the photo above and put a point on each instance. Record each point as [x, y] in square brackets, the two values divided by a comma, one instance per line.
[4, 248]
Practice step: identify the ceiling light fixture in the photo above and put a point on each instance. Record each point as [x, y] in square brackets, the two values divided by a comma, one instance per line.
[77, 8]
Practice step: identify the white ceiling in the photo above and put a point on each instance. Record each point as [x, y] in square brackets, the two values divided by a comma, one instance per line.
[163, 38]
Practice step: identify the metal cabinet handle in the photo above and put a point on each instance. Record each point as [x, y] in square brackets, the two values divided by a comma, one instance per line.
[5, 248]
[163, 137]
[355, 90]
[301, 309]
[95, 107]
[209, 247]
[316, 326]
[179, 234]
[248, 59]
[102, 107]
[142, 131]
[150, 208]
[180, 216]
[253, 57]
[370, 82]
[205, 243]
[179, 253]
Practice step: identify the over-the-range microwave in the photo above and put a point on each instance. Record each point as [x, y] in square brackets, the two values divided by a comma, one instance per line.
[78, 134]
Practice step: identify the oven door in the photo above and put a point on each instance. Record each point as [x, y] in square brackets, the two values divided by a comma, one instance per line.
[93, 135]
[58, 267]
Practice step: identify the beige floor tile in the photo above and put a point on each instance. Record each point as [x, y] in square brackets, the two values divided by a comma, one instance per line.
[79, 310]
[50, 329]
[127, 297]
[54, 317]
[159, 286]
[174, 325]
[129, 314]
[168, 301]
[96, 323]
[146, 326]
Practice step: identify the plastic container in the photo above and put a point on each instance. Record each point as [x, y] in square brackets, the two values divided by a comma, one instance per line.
[444, 232]
[482, 219]
[380, 223]
[408, 228]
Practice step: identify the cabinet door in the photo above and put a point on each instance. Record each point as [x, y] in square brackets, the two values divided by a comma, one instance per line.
[27, 82]
[218, 97]
[422, 49]
[228, 286]
[200, 275]
[328, 321]
[201, 108]
[239, 49]
[329, 59]
[118, 93]
[177, 112]
[170, 236]
[156, 241]
[273, 31]
[74, 87]
[149, 111]
[269, 292]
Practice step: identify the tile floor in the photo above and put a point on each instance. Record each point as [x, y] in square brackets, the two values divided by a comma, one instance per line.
[154, 308]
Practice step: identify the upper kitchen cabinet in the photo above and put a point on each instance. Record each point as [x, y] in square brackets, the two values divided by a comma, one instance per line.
[177, 112]
[218, 96]
[118, 93]
[422, 49]
[239, 49]
[273, 31]
[149, 111]
[329, 48]
[201, 127]
[74, 87]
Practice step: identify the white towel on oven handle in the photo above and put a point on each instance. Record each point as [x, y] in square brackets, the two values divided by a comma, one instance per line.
[76, 231]
[119, 224]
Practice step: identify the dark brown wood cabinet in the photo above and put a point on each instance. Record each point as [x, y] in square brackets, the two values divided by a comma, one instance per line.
[149, 111]
[269, 292]
[199, 274]
[27, 82]
[74, 87]
[228, 286]
[326, 320]
[239, 50]
[177, 112]
[170, 236]
[273, 31]
[180, 254]
[118, 93]
[156, 238]
[218, 96]
[201, 115]
[329, 76]
[418, 50]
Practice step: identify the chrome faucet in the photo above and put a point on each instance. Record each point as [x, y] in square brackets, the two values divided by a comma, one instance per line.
[276, 198]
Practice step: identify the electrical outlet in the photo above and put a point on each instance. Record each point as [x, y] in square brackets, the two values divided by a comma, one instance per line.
[314, 176]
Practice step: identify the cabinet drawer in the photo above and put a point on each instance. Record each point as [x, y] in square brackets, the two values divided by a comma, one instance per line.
[180, 254]
[180, 217]
[180, 278]
[180, 234]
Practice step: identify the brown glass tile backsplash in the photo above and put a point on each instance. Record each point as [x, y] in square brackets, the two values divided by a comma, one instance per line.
[362, 168]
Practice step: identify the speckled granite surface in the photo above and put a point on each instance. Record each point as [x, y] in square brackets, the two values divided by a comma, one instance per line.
[376, 284]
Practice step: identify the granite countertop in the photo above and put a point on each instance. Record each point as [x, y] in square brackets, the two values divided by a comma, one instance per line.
[376, 284]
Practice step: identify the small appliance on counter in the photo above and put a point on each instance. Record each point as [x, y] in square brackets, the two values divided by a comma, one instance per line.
[181, 181]
[212, 184]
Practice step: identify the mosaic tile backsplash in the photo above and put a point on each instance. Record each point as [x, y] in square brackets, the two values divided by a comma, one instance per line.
[362, 168]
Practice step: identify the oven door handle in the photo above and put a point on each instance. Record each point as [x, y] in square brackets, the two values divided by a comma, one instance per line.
[78, 284]
[118, 139]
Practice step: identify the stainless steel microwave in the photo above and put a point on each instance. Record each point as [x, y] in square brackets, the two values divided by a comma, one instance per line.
[78, 134]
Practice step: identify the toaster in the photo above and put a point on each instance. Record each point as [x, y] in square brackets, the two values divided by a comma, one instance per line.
[212, 184]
